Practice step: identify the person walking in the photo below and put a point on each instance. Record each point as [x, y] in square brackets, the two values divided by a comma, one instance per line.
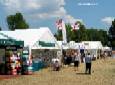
[69, 59]
[56, 64]
[88, 60]
[65, 60]
[77, 60]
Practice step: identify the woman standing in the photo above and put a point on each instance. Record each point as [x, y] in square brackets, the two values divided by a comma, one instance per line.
[77, 60]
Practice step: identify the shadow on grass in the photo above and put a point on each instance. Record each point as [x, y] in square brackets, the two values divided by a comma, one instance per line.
[82, 74]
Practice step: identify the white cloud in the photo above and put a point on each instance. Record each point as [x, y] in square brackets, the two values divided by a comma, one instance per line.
[33, 5]
[108, 20]
[61, 12]
[87, 4]
[11, 5]
[39, 9]
[36, 7]
[70, 19]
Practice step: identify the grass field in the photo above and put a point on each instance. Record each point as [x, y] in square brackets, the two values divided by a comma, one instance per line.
[103, 73]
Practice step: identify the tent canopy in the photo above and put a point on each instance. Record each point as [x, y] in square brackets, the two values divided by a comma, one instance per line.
[107, 48]
[33, 37]
[92, 44]
[63, 46]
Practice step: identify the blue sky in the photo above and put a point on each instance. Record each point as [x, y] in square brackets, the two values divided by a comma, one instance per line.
[44, 13]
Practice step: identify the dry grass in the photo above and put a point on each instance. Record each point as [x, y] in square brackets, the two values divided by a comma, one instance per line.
[104, 74]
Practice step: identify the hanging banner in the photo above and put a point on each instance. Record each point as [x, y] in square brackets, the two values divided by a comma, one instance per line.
[46, 44]
[6, 42]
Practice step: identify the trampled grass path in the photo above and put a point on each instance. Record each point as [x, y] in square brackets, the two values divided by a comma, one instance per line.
[103, 73]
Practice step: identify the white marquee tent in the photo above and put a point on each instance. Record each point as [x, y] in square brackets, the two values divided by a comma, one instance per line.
[31, 37]
[63, 46]
[107, 48]
[93, 47]
[41, 42]
[92, 44]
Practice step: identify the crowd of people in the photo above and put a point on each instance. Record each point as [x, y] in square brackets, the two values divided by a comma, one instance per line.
[70, 58]
[75, 57]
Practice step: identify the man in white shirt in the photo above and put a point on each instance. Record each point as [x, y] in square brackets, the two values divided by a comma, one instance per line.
[56, 63]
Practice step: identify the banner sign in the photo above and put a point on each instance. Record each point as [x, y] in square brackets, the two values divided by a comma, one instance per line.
[45, 44]
[11, 42]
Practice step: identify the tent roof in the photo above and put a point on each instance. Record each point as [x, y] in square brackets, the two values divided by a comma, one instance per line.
[92, 44]
[107, 48]
[30, 36]
[64, 46]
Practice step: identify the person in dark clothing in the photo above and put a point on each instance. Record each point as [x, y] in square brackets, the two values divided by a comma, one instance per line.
[82, 57]
[88, 60]
[57, 66]
[69, 60]
[77, 59]
[65, 60]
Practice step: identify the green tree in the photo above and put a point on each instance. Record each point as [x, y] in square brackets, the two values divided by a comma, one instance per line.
[82, 31]
[58, 35]
[112, 34]
[68, 32]
[112, 29]
[16, 22]
[97, 35]
[0, 28]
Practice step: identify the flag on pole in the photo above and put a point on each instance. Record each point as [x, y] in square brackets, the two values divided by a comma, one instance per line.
[75, 26]
[61, 26]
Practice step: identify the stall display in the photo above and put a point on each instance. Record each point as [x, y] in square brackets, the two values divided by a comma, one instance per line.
[13, 63]
[46, 46]
[12, 55]
[42, 58]
[27, 67]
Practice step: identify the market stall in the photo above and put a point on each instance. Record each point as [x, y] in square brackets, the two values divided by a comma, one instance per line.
[10, 55]
[40, 43]
[107, 50]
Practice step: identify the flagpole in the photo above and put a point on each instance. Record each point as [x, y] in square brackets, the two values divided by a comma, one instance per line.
[64, 33]
[61, 26]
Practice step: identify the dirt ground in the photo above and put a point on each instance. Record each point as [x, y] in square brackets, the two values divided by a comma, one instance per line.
[103, 73]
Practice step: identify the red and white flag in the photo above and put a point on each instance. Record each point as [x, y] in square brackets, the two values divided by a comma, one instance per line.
[59, 24]
[75, 26]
